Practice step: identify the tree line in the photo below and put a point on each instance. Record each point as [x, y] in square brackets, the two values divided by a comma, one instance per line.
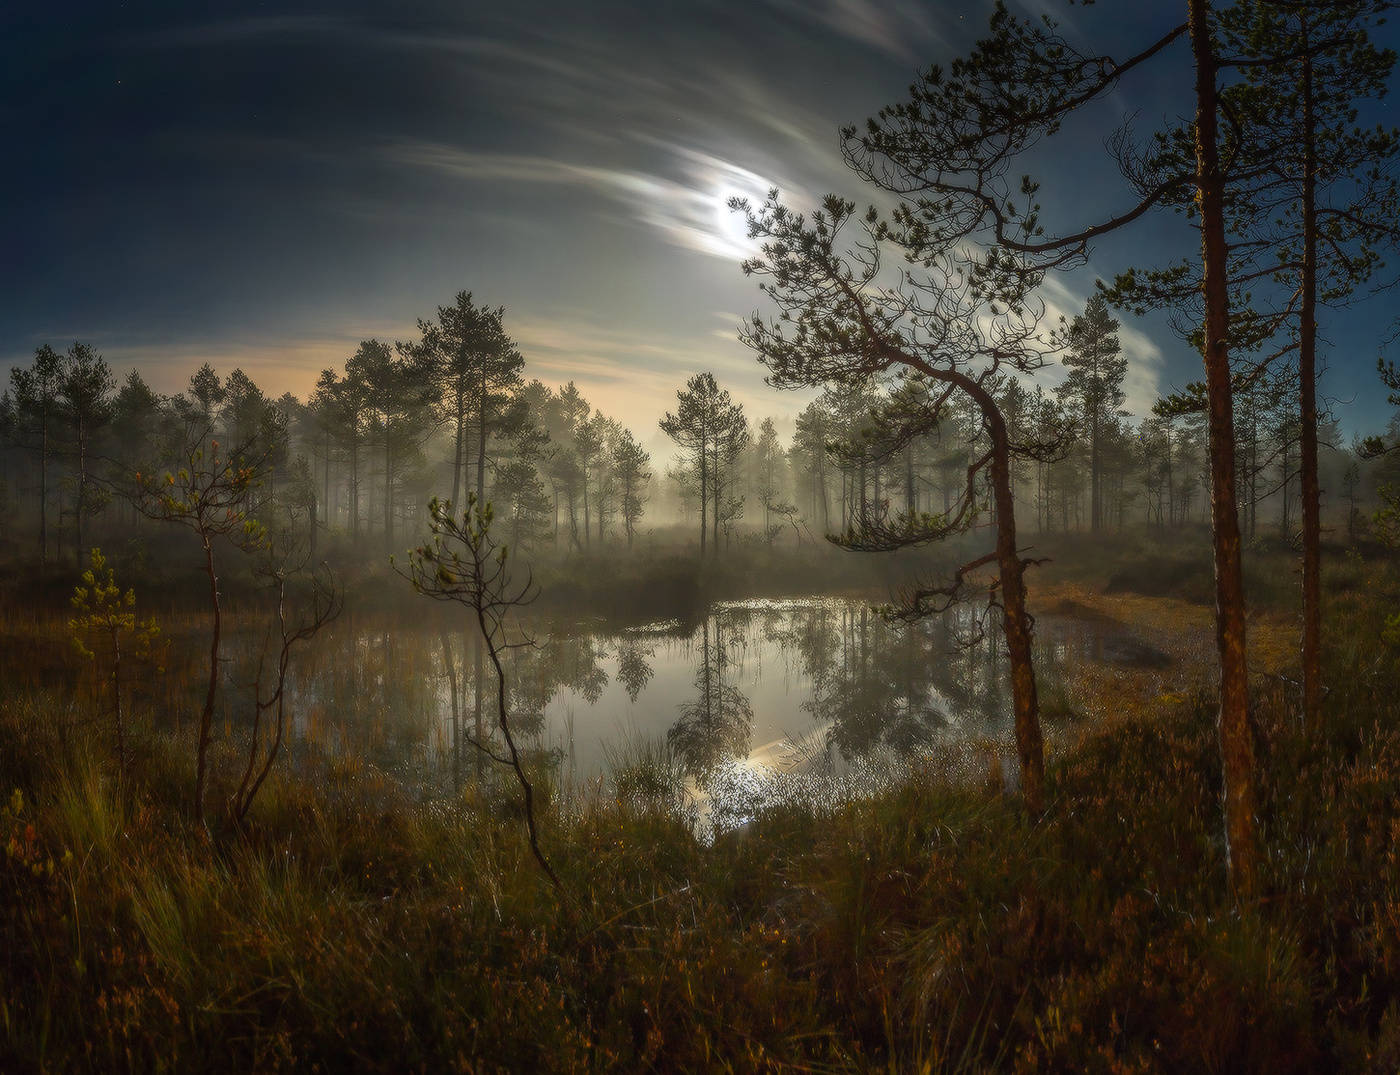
[447, 413]
[452, 412]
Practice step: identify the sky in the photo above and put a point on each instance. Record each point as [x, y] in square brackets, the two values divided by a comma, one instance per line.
[263, 185]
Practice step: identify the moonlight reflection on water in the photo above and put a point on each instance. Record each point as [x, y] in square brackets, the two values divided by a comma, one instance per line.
[816, 695]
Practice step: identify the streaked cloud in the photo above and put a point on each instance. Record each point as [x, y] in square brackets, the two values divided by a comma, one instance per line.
[689, 209]
[902, 29]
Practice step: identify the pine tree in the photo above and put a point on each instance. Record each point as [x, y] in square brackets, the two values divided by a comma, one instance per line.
[630, 463]
[1097, 367]
[948, 331]
[1308, 198]
[36, 403]
[709, 425]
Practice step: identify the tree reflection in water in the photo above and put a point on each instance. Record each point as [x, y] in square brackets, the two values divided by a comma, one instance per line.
[633, 671]
[714, 728]
[879, 688]
[750, 675]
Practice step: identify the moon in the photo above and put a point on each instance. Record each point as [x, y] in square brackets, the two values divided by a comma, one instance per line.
[731, 225]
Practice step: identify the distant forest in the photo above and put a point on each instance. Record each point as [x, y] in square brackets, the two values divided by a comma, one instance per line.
[452, 413]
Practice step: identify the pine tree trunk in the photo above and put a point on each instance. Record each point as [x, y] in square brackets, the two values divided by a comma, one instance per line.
[354, 492]
[82, 488]
[326, 477]
[1015, 620]
[451, 668]
[910, 501]
[1171, 482]
[1095, 489]
[388, 491]
[1236, 735]
[478, 717]
[718, 494]
[44, 492]
[864, 515]
[459, 446]
[704, 492]
[481, 451]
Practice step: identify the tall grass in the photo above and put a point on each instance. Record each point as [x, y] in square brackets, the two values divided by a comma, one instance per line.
[927, 927]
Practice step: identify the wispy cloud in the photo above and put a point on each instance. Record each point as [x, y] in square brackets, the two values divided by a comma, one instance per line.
[574, 345]
[342, 31]
[689, 211]
[901, 29]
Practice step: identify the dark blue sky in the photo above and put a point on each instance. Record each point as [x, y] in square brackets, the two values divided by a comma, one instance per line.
[266, 184]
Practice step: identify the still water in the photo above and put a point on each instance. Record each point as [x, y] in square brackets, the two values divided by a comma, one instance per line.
[766, 686]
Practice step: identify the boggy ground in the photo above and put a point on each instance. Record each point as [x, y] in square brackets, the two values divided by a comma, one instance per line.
[1159, 651]
[930, 927]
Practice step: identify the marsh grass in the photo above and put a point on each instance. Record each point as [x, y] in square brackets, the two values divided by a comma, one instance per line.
[356, 924]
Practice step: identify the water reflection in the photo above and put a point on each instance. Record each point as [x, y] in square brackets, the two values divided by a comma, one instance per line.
[633, 671]
[714, 727]
[753, 683]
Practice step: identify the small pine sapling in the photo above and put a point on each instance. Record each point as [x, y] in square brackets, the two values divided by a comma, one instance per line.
[105, 630]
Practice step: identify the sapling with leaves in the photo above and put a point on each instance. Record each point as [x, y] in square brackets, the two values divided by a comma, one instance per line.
[461, 562]
[208, 494]
[106, 631]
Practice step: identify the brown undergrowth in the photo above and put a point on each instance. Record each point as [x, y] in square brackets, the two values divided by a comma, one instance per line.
[1108, 690]
[930, 927]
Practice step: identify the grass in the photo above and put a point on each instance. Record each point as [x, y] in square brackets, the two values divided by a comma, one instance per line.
[928, 927]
